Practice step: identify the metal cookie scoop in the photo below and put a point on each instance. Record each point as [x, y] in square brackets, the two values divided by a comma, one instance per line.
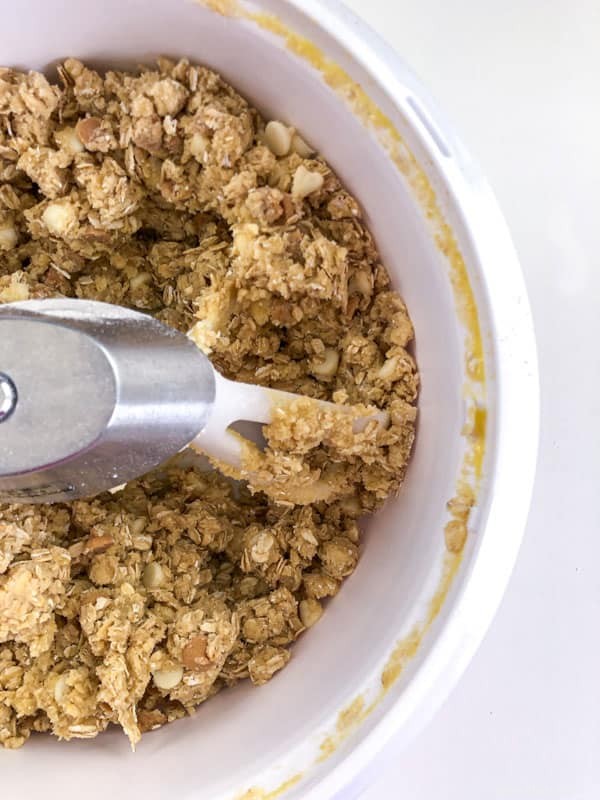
[94, 395]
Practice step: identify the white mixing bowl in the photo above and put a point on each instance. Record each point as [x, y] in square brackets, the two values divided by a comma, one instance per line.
[395, 640]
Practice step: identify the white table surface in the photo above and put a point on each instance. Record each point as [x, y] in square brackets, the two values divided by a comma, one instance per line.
[519, 79]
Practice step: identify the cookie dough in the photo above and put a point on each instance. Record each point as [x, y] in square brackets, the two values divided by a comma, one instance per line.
[165, 191]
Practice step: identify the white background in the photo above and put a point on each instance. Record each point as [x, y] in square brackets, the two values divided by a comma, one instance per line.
[521, 81]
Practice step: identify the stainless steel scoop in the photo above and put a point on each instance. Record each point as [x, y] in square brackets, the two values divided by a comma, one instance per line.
[94, 395]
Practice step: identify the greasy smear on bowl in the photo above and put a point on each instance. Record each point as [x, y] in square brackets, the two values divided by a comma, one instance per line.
[471, 470]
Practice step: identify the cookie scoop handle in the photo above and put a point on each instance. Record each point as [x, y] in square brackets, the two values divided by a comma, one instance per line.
[92, 395]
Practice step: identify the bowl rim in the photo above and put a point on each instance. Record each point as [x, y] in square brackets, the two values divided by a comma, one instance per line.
[483, 580]
[516, 382]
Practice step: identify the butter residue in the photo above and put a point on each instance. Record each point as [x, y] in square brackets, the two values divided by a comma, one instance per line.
[262, 794]
[471, 471]
[351, 717]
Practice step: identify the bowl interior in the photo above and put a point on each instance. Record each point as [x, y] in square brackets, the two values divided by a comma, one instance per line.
[244, 731]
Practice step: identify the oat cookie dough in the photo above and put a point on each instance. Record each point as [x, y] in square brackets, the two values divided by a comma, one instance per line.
[166, 192]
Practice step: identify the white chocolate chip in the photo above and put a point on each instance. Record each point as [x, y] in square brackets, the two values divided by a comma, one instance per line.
[278, 138]
[301, 147]
[327, 364]
[261, 549]
[167, 679]
[143, 542]
[8, 237]
[59, 217]
[140, 280]
[153, 575]
[351, 505]
[305, 182]
[386, 372]
[68, 140]
[198, 145]
[14, 292]
[60, 687]
[138, 526]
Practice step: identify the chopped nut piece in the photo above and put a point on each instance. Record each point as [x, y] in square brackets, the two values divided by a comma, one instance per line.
[360, 283]
[87, 128]
[169, 96]
[265, 662]
[96, 134]
[194, 654]
[300, 147]
[339, 556]
[138, 525]
[311, 612]
[260, 312]
[98, 544]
